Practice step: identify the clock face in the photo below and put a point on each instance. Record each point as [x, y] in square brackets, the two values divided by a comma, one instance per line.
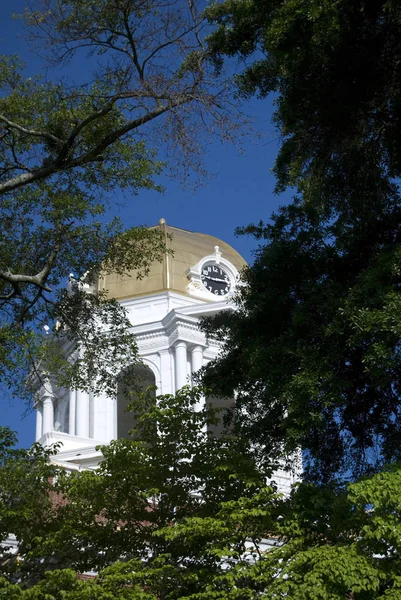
[215, 279]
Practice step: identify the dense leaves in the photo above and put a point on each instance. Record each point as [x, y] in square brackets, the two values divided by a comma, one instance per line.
[25, 497]
[145, 485]
[336, 71]
[314, 348]
[179, 514]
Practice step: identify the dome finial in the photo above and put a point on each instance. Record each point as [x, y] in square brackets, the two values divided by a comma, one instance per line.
[217, 254]
[162, 222]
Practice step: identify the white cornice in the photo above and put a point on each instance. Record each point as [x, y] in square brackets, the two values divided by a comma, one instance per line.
[67, 439]
[160, 297]
[206, 310]
[80, 454]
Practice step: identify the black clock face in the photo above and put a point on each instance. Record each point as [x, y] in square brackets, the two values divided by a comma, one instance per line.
[215, 279]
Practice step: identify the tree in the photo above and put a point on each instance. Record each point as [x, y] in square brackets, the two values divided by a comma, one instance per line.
[179, 514]
[65, 145]
[331, 542]
[125, 509]
[314, 347]
[313, 350]
[335, 69]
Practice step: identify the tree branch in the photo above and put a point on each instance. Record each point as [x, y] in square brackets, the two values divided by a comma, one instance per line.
[39, 280]
[18, 278]
[60, 162]
[77, 130]
[168, 43]
[115, 135]
[28, 306]
[9, 296]
[131, 41]
[41, 134]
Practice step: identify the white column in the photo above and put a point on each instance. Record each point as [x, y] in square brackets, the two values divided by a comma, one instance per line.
[92, 409]
[197, 363]
[82, 411]
[48, 414]
[180, 365]
[115, 418]
[111, 419]
[39, 420]
[166, 372]
[197, 358]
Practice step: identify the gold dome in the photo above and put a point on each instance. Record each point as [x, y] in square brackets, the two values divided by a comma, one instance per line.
[188, 249]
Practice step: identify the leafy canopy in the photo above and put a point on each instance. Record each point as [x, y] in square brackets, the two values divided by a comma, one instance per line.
[176, 513]
[66, 146]
[314, 348]
[334, 68]
[126, 508]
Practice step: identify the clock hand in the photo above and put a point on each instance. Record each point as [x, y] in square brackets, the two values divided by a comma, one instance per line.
[216, 279]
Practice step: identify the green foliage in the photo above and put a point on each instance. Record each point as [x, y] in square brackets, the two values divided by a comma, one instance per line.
[25, 497]
[160, 476]
[165, 510]
[342, 542]
[66, 146]
[178, 514]
[314, 348]
[66, 585]
[335, 69]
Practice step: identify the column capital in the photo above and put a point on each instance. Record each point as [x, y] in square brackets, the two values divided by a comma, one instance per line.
[47, 400]
[180, 344]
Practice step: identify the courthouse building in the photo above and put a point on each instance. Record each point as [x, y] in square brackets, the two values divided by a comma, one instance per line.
[198, 279]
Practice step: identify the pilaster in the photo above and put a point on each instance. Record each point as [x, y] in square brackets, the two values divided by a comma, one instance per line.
[82, 411]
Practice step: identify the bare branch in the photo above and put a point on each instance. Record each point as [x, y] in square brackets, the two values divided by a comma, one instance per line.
[132, 44]
[130, 126]
[19, 278]
[9, 296]
[168, 43]
[32, 132]
[27, 307]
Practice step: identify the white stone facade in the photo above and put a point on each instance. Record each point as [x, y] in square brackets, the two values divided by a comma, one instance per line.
[170, 344]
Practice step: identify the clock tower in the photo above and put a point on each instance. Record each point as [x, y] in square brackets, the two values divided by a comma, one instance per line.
[197, 277]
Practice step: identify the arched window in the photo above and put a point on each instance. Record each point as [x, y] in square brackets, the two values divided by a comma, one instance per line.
[136, 380]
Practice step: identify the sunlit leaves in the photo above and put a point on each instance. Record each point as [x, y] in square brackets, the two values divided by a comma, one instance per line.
[149, 100]
[173, 512]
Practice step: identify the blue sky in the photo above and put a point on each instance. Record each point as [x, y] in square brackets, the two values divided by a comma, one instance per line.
[239, 191]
